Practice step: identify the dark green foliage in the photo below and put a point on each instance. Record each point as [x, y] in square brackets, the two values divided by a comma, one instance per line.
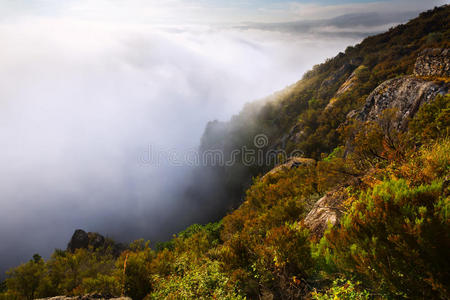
[398, 237]
[137, 282]
[212, 230]
[344, 290]
[26, 279]
[432, 120]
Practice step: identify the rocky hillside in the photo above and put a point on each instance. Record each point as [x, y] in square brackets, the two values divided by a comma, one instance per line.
[406, 94]
[307, 116]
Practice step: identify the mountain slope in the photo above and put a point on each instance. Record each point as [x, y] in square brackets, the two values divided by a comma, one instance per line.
[307, 115]
[366, 217]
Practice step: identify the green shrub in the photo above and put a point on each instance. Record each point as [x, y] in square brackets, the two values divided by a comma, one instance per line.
[397, 237]
[432, 121]
[198, 281]
[343, 290]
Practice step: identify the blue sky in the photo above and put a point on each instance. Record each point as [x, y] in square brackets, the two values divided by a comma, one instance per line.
[203, 11]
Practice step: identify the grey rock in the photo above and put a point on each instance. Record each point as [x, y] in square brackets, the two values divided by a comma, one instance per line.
[433, 62]
[85, 240]
[79, 240]
[96, 240]
[292, 163]
[349, 83]
[404, 94]
[327, 210]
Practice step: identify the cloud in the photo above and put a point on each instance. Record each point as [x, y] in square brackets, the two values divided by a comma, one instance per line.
[355, 25]
[344, 20]
[81, 101]
[326, 11]
[178, 12]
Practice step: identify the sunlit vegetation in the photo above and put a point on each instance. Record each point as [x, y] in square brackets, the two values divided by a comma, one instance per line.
[392, 240]
[299, 117]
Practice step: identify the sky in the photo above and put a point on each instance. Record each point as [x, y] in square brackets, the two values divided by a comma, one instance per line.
[87, 87]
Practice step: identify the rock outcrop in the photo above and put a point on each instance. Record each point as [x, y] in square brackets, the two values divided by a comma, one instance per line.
[85, 240]
[327, 210]
[351, 81]
[292, 163]
[345, 68]
[405, 95]
[433, 63]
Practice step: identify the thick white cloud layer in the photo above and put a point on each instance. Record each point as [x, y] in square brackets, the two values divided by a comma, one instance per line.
[81, 102]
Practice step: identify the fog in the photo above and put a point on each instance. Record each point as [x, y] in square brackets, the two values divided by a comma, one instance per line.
[82, 100]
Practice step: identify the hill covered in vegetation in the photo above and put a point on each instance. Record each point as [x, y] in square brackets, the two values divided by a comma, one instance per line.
[364, 215]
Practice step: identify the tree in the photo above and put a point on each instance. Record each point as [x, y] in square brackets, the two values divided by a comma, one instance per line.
[26, 278]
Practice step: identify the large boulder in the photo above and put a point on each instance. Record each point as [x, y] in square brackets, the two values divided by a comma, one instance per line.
[327, 211]
[85, 240]
[79, 240]
[404, 95]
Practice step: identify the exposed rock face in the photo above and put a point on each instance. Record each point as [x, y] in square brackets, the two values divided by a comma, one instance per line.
[345, 68]
[327, 210]
[433, 62]
[292, 163]
[346, 86]
[84, 240]
[79, 240]
[404, 94]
